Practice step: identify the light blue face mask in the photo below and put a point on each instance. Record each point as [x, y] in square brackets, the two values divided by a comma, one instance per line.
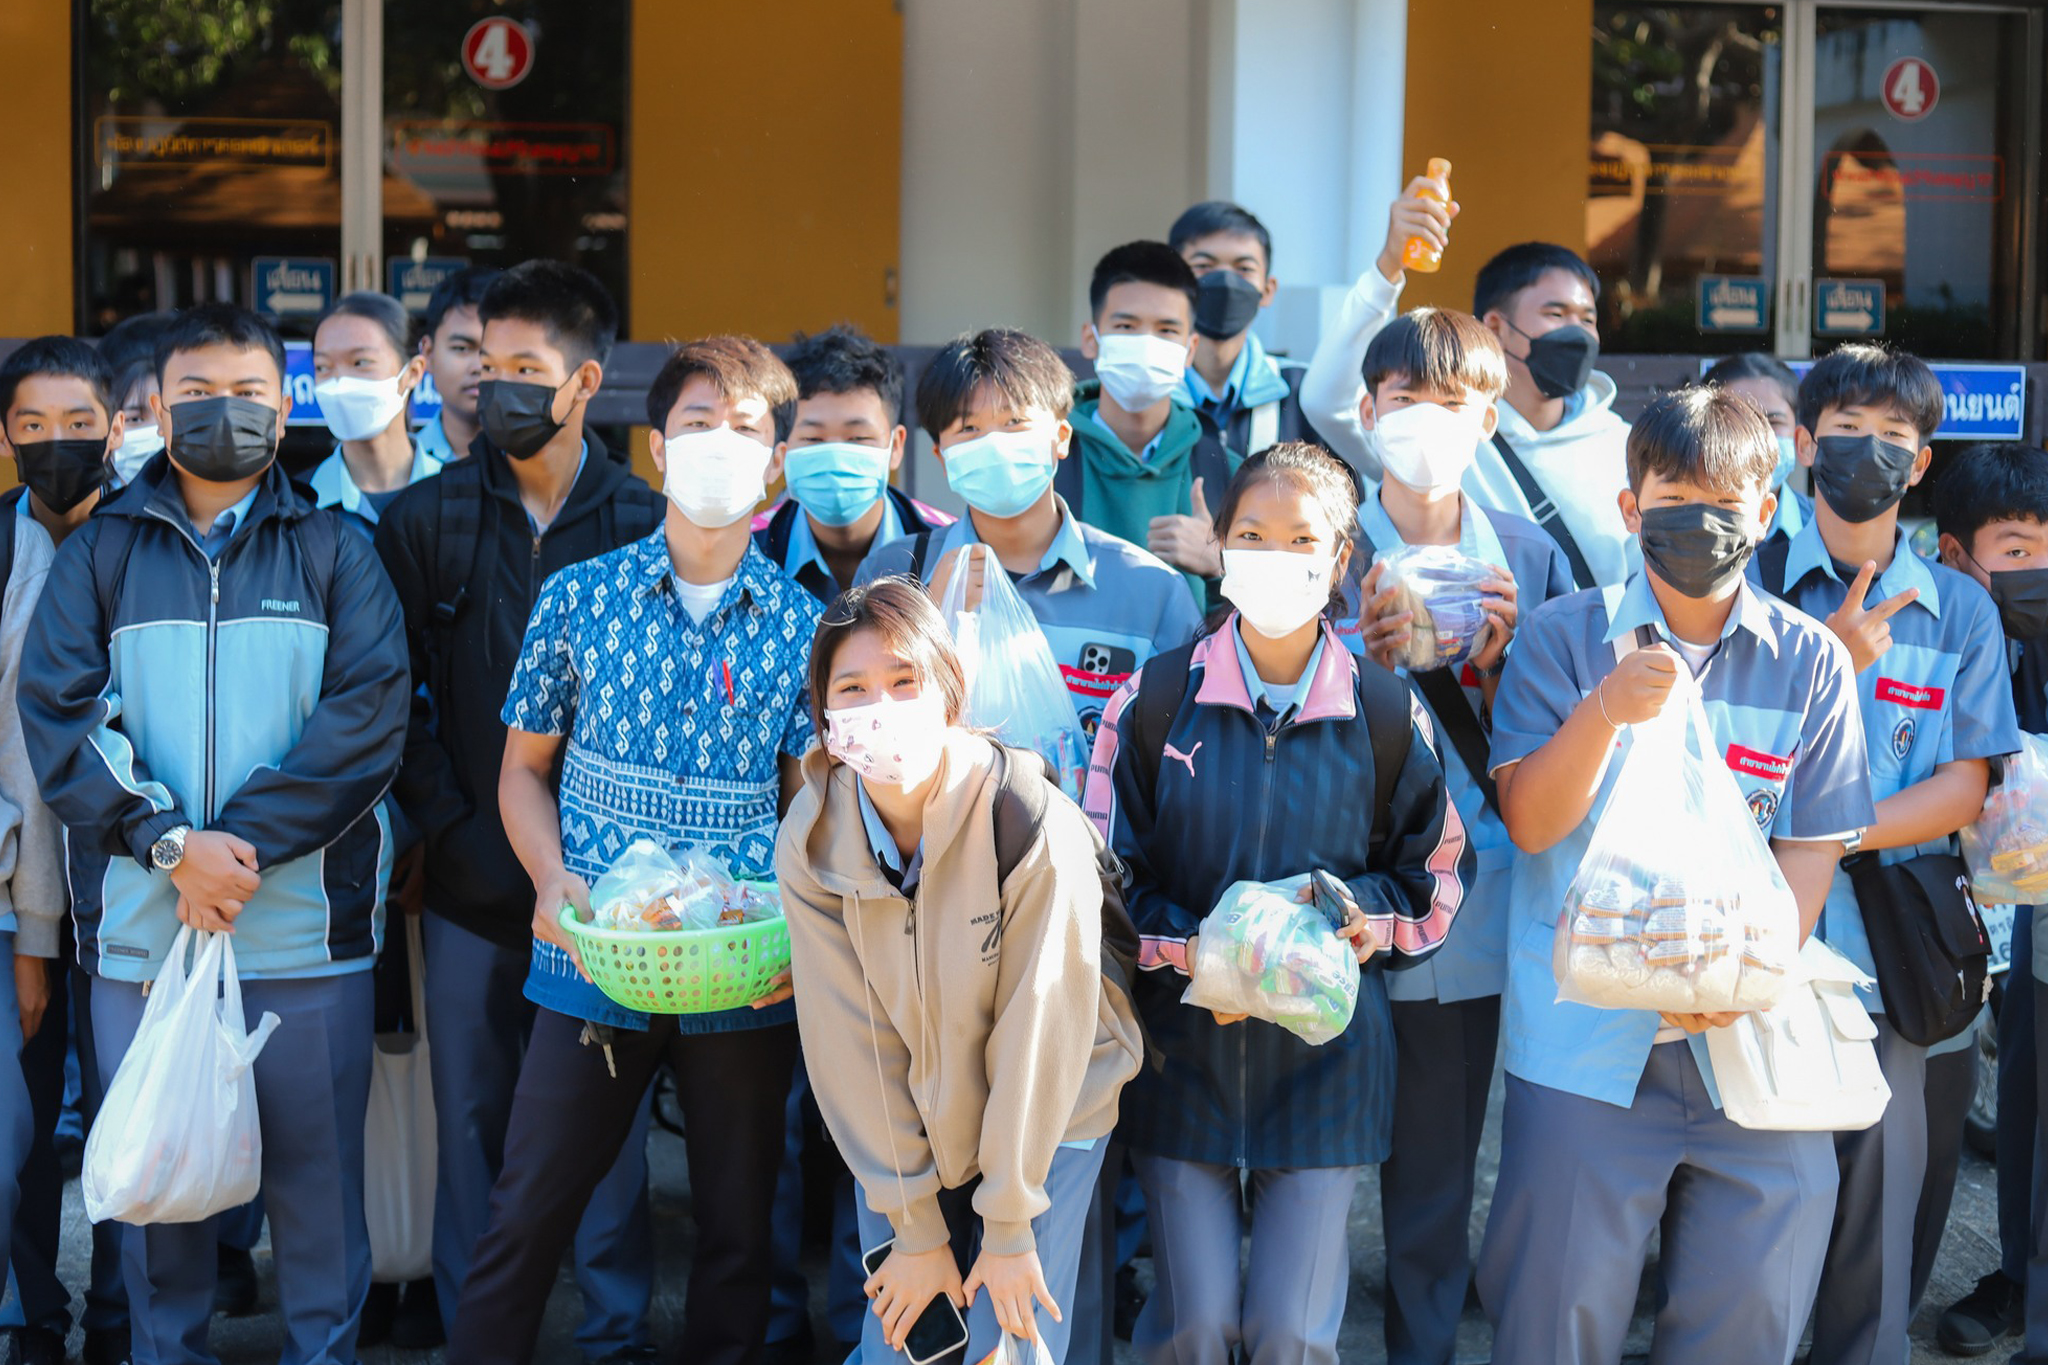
[837, 482]
[1003, 473]
[1788, 456]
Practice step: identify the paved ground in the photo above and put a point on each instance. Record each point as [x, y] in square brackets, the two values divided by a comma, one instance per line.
[1969, 1250]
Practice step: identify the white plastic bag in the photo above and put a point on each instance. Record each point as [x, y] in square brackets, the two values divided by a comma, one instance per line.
[2007, 846]
[176, 1139]
[1441, 586]
[399, 1146]
[1678, 904]
[1017, 1351]
[1263, 953]
[1809, 1063]
[1013, 686]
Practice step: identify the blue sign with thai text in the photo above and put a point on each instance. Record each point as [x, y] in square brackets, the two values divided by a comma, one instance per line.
[1848, 308]
[1734, 303]
[413, 282]
[1985, 402]
[293, 286]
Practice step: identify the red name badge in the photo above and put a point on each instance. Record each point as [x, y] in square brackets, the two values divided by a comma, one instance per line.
[1098, 686]
[1905, 694]
[1756, 763]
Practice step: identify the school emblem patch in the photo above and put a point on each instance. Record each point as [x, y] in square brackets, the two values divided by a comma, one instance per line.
[1902, 737]
[1763, 805]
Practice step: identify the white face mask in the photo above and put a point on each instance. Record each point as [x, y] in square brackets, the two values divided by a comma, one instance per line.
[1137, 371]
[1426, 445]
[895, 743]
[715, 477]
[1277, 592]
[138, 443]
[357, 409]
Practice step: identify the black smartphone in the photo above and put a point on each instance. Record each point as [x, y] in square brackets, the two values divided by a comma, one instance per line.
[1329, 896]
[938, 1330]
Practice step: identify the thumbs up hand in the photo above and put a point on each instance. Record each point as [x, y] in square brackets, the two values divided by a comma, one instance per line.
[1188, 542]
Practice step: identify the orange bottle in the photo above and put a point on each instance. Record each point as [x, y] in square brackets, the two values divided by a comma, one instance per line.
[1417, 253]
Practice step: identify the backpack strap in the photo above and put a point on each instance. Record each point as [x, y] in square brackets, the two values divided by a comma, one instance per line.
[1162, 687]
[1263, 429]
[1384, 702]
[1544, 512]
[921, 556]
[458, 537]
[1020, 807]
[10, 519]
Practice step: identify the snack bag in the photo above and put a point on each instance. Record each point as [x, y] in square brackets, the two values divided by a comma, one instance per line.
[652, 889]
[1441, 586]
[2007, 846]
[1263, 953]
[1678, 904]
[1013, 686]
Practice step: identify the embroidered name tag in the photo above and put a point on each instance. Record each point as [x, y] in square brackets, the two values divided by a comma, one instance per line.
[1905, 694]
[1759, 764]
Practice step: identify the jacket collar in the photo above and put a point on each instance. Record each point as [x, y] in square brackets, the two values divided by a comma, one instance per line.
[154, 494]
[598, 479]
[1332, 690]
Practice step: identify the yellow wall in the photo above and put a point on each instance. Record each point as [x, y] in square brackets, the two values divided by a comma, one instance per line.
[766, 166]
[35, 166]
[1476, 68]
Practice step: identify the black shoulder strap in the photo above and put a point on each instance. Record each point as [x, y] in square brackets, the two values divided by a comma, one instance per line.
[10, 515]
[458, 531]
[1544, 512]
[1020, 807]
[921, 556]
[1383, 700]
[1773, 557]
[1162, 686]
[1455, 719]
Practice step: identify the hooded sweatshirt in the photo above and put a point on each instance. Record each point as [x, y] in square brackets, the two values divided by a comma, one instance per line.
[1111, 487]
[968, 1030]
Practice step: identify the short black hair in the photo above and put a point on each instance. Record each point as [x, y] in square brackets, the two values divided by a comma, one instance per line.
[218, 324]
[737, 366]
[131, 378]
[1140, 263]
[1212, 216]
[565, 301]
[1518, 267]
[1867, 375]
[1020, 367]
[840, 359]
[57, 355]
[388, 313]
[1755, 365]
[1987, 482]
[1705, 436]
[464, 289]
[1439, 350]
[134, 338]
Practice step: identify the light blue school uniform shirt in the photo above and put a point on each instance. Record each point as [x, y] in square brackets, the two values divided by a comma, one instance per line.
[803, 542]
[334, 486]
[1942, 692]
[1780, 700]
[432, 439]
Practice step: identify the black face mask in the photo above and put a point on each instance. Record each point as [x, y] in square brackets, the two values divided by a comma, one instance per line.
[62, 473]
[222, 440]
[1225, 304]
[1861, 477]
[1695, 548]
[2022, 598]
[1561, 361]
[517, 418]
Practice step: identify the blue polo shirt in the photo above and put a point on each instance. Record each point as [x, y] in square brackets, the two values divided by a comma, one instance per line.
[1473, 961]
[1942, 692]
[1781, 700]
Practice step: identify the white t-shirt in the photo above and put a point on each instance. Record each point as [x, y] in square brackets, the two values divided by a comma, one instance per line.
[700, 598]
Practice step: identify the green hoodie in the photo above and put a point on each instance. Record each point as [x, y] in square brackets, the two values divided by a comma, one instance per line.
[1121, 493]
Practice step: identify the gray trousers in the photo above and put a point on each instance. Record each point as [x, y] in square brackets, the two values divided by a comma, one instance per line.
[1866, 1290]
[1285, 1307]
[1583, 1187]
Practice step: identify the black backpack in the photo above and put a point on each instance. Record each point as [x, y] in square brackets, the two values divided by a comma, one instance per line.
[1024, 788]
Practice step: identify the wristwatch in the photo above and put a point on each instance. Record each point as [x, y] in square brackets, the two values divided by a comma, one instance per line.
[169, 849]
[1852, 842]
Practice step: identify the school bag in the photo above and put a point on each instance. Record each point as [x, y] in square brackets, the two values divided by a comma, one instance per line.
[1020, 806]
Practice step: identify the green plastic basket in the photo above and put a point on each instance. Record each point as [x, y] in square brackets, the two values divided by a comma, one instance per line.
[685, 971]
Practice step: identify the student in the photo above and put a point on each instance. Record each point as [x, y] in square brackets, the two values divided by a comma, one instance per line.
[452, 343]
[278, 816]
[995, 404]
[840, 442]
[57, 422]
[1611, 1128]
[364, 375]
[1558, 449]
[1936, 710]
[1247, 397]
[1142, 460]
[467, 551]
[1025, 1052]
[1250, 755]
[1432, 378]
[1769, 383]
[140, 438]
[1991, 509]
[700, 759]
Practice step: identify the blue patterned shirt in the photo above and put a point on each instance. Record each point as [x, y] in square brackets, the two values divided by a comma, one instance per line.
[674, 728]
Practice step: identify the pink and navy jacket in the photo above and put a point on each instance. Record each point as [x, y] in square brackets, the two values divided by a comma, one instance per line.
[1242, 794]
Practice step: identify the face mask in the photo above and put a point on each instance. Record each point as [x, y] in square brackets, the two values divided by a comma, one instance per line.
[1003, 473]
[715, 477]
[138, 443]
[62, 473]
[1426, 445]
[2022, 598]
[1695, 548]
[1138, 371]
[1226, 303]
[357, 409]
[223, 440]
[837, 482]
[895, 743]
[1561, 361]
[1277, 592]
[1861, 477]
[517, 418]
[1788, 456]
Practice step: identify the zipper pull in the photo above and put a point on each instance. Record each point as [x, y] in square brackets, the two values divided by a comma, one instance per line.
[1272, 738]
[213, 571]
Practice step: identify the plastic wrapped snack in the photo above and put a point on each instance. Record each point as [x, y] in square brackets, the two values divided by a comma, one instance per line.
[2007, 847]
[1678, 904]
[1441, 586]
[650, 889]
[1013, 686]
[1263, 953]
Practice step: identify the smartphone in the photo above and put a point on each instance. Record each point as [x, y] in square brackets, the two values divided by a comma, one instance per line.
[1329, 896]
[938, 1330]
